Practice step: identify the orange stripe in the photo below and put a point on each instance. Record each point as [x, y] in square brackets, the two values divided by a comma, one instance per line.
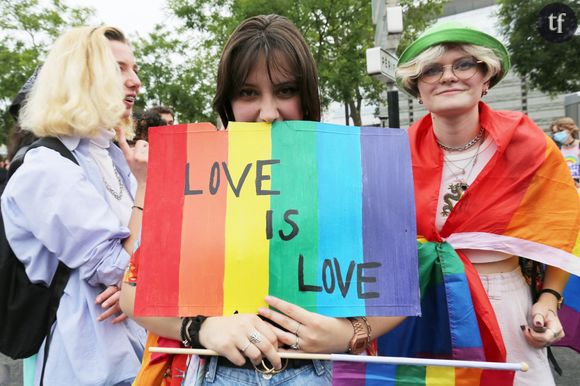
[467, 377]
[542, 215]
[203, 228]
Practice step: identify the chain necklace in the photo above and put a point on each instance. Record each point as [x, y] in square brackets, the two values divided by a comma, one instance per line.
[468, 145]
[118, 195]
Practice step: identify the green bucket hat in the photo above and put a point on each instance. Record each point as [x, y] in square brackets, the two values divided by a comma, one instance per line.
[457, 32]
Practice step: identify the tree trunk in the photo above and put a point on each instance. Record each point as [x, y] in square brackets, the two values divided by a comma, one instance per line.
[355, 112]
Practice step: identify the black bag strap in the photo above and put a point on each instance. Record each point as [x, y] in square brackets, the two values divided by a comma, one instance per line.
[62, 274]
[49, 142]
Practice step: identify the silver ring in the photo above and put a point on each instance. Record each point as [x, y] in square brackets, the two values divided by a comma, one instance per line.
[255, 337]
[296, 346]
[297, 328]
[246, 347]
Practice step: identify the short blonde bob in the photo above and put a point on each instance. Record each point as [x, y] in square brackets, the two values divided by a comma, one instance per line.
[79, 88]
[409, 73]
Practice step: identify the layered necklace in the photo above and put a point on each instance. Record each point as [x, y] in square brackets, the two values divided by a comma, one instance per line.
[461, 173]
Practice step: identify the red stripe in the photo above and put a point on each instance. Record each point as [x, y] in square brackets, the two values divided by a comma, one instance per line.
[203, 232]
[158, 283]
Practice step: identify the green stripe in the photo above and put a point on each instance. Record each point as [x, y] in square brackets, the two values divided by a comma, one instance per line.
[294, 144]
[411, 375]
[430, 257]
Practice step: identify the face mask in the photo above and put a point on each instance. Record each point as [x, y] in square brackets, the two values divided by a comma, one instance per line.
[561, 136]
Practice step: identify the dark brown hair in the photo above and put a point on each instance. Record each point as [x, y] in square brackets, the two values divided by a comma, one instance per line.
[162, 110]
[285, 51]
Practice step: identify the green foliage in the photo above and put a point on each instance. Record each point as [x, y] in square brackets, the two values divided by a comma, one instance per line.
[417, 16]
[338, 32]
[550, 67]
[173, 73]
[27, 29]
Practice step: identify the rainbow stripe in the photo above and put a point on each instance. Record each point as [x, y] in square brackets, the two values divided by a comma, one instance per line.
[371, 374]
[315, 214]
[449, 328]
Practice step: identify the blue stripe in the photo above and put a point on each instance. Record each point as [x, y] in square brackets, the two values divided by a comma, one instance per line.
[572, 293]
[462, 318]
[339, 229]
[381, 374]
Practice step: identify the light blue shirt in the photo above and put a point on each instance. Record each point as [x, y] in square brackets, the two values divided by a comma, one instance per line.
[55, 210]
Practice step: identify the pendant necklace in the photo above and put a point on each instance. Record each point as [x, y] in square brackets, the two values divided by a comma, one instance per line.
[461, 184]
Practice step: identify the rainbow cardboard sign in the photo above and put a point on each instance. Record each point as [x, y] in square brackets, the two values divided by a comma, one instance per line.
[316, 214]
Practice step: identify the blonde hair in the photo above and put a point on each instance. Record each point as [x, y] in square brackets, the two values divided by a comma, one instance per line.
[79, 87]
[566, 123]
[410, 72]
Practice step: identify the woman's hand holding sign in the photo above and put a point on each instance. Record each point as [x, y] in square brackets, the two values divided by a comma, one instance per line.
[241, 335]
[314, 333]
[307, 331]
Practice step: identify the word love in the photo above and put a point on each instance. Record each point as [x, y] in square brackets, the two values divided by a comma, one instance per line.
[215, 179]
[332, 278]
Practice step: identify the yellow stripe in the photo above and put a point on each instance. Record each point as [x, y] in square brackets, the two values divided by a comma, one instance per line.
[246, 249]
[439, 376]
[422, 239]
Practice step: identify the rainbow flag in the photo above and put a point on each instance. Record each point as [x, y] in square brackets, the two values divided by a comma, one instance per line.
[312, 213]
[451, 327]
[372, 374]
[523, 202]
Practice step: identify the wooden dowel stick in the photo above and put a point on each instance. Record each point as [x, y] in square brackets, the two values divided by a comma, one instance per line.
[364, 358]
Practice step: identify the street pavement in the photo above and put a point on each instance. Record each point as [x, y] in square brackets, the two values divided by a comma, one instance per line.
[11, 371]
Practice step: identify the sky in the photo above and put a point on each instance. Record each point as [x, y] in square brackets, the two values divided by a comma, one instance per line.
[131, 16]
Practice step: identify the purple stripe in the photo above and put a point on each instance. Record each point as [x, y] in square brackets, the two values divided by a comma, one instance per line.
[469, 353]
[387, 200]
[571, 320]
[348, 374]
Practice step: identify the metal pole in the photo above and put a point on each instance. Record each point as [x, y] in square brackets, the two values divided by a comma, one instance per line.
[393, 108]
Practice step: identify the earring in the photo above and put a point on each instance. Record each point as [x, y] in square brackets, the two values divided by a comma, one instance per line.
[484, 92]
[420, 101]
